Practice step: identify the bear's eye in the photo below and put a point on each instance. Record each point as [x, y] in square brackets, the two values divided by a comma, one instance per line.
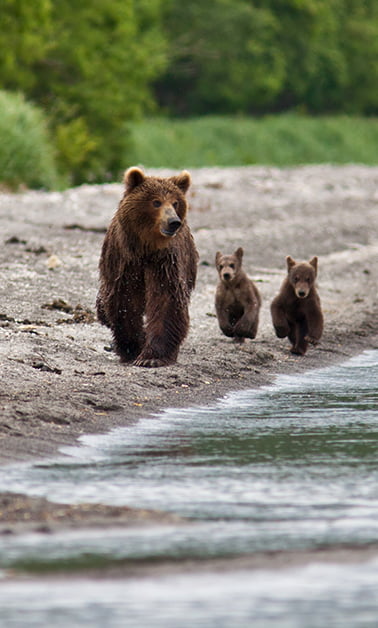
[175, 204]
[156, 203]
[232, 266]
[296, 279]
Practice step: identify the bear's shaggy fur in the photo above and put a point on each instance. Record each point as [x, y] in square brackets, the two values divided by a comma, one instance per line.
[237, 300]
[296, 310]
[148, 270]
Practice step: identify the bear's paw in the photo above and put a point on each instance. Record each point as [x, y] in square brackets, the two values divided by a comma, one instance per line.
[151, 362]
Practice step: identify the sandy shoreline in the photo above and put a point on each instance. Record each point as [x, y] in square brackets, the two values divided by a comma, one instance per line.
[58, 378]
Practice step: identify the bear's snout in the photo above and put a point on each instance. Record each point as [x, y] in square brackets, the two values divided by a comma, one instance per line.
[174, 224]
[226, 276]
[171, 223]
[301, 293]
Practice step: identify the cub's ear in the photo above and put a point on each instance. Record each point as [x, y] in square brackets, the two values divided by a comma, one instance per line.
[239, 253]
[218, 255]
[133, 177]
[182, 180]
[314, 263]
[290, 262]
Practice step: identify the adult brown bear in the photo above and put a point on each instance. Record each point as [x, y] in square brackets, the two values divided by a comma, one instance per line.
[148, 270]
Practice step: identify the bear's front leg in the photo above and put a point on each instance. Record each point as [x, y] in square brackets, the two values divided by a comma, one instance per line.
[227, 330]
[127, 338]
[279, 319]
[247, 325]
[167, 324]
[150, 358]
[127, 325]
[223, 316]
[314, 326]
[126, 349]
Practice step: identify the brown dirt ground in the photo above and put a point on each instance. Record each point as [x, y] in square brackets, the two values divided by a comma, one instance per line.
[58, 378]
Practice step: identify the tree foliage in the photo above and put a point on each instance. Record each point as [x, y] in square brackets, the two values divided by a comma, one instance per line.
[96, 65]
[90, 69]
[97, 76]
[24, 40]
[224, 61]
[232, 56]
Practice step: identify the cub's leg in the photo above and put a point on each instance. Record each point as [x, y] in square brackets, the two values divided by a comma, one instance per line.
[280, 322]
[315, 326]
[297, 337]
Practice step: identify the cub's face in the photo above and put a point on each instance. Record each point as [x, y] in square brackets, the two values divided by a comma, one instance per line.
[155, 208]
[302, 276]
[228, 266]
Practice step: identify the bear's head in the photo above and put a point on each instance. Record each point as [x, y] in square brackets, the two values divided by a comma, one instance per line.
[228, 266]
[302, 275]
[154, 208]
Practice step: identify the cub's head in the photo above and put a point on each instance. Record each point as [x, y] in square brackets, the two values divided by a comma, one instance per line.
[228, 266]
[154, 207]
[302, 275]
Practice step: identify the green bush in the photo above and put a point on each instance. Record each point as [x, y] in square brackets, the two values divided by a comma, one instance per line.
[26, 151]
[89, 66]
[282, 140]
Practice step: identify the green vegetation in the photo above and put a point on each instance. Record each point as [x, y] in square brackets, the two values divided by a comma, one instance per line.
[284, 140]
[26, 150]
[267, 56]
[94, 68]
[89, 65]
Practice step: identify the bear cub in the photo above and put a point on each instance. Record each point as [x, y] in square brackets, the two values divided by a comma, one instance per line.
[148, 270]
[237, 300]
[296, 310]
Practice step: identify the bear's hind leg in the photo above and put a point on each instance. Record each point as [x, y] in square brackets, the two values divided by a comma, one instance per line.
[239, 340]
[297, 338]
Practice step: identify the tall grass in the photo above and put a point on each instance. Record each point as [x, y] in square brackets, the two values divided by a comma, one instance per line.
[26, 151]
[281, 140]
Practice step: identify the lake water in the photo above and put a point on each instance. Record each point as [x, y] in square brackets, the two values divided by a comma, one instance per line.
[290, 466]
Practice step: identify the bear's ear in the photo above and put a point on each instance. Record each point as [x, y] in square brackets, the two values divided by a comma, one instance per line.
[314, 263]
[290, 262]
[133, 177]
[182, 180]
[218, 255]
[239, 253]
